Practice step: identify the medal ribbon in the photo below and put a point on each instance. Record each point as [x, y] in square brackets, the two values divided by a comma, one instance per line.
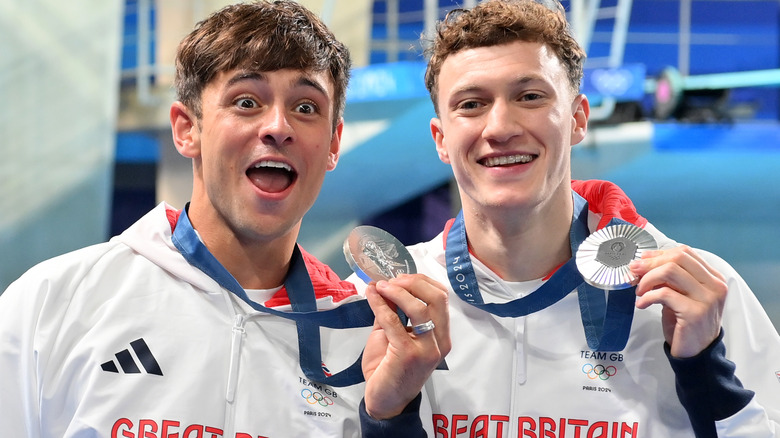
[300, 291]
[607, 322]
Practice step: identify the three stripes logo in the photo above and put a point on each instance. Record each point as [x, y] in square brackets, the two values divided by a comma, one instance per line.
[128, 363]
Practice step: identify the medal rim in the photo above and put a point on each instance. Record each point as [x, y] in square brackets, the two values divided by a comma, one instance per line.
[362, 231]
[602, 276]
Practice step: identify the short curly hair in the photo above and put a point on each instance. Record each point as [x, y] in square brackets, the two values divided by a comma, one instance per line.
[495, 22]
[259, 36]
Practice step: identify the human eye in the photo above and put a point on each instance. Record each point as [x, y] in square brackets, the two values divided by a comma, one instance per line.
[531, 97]
[306, 108]
[246, 102]
[468, 105]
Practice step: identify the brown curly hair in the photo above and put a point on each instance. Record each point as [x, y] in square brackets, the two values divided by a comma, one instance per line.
[260, 36]
[495, 22]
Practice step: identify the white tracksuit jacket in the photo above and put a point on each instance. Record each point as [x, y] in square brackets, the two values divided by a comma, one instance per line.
[535, 377]
[126, 339]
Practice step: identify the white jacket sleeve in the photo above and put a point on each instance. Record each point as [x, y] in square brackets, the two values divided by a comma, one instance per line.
[752, 353]
[19, 413]
[32, 310]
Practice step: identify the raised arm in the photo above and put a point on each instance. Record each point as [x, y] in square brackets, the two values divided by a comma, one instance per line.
[397, 361]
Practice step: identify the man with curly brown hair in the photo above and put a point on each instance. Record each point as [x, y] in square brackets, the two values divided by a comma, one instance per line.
[540, 348]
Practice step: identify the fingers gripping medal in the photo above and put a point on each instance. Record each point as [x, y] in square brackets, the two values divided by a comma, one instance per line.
[603, 257]
[374, 254]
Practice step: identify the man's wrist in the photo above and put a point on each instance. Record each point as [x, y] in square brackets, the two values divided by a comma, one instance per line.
[406, 424]
[707, 386]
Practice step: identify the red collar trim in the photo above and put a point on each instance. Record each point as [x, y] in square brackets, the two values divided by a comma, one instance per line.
[604, 198]
[325, 281]
[173, 216]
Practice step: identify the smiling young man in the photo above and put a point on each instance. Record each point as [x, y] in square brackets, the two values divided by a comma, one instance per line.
[260, 151]
[536, 351]
[169, 329]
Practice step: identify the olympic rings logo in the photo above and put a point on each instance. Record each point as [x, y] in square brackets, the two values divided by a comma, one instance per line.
[598, 371]
[314, 398]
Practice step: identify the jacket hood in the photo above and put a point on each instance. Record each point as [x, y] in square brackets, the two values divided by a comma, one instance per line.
[607, 201]
[150, 237]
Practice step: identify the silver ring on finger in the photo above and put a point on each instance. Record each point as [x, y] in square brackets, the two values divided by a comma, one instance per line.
[423, 328]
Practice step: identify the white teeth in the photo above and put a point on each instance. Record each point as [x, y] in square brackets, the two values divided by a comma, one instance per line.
[276, 164]
[511, 159]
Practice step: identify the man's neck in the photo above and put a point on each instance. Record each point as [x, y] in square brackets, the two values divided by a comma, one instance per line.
[255, 266]
[255, 263]
[521, 245]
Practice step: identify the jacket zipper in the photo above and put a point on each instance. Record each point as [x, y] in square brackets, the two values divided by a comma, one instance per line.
[232, 383]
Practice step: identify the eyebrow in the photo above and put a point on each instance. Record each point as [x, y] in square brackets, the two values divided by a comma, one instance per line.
[308, 82]
[302, 80]
[246, 76]
[520, 80]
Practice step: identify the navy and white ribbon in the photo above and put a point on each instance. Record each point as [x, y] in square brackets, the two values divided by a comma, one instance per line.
[300, 291]
[607, 322]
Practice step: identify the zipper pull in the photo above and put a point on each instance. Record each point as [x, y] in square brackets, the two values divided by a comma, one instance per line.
[235, 356]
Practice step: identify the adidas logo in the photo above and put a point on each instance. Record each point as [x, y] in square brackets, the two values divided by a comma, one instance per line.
[128, 363]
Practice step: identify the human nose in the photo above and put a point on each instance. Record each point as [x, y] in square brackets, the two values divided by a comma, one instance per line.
[501, 123]
[276, 127]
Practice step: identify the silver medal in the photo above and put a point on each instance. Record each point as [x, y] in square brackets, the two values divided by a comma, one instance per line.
[603, 257]
[374, 254]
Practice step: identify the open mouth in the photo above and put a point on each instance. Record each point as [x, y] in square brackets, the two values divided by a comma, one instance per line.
[271, 176]
[507, 160]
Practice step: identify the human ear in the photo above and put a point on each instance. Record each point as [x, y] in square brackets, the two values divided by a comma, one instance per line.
[185, 130]
[437, 132]
[580, 114]
[335, 146]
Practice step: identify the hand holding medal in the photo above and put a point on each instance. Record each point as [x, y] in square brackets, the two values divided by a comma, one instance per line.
[397, 359]
[692, 293]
